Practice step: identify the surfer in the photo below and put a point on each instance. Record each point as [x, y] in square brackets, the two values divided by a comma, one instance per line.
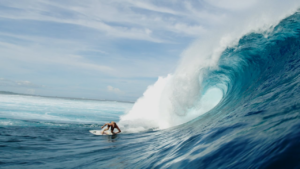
[112, 125]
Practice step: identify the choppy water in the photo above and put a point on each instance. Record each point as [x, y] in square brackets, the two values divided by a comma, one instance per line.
[255, 125]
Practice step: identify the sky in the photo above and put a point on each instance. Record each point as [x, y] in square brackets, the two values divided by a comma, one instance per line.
[101, 49]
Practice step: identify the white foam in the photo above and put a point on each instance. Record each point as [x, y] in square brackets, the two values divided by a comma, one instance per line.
[154, 111]
[145, 114]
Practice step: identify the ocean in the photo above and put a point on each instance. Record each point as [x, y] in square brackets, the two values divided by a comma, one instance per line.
[246, 115]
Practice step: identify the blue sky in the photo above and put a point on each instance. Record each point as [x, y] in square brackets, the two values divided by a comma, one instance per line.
[101, 49]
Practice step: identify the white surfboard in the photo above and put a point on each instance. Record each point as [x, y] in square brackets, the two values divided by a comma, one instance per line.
[99, 132]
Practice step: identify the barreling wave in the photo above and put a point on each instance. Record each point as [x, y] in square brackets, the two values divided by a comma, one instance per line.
[225, 73]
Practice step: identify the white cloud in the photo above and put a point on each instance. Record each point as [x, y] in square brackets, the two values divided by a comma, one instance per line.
[114, 90]
[19, 83]
[233, 4]
[149, 6]
[48, 51]
[113, 18]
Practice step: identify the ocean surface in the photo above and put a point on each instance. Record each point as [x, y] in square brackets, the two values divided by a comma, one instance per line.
[255, 122]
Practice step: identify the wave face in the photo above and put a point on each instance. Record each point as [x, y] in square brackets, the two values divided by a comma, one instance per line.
[251, 119]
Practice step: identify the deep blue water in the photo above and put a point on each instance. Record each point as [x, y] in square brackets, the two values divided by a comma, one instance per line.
[256, 124]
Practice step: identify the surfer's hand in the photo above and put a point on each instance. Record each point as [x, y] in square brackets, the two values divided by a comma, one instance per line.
[102, 127]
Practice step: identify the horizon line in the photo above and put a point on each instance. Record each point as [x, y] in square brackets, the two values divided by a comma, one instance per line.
[61, 97]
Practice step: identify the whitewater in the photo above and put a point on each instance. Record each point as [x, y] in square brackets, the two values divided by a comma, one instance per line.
[233, 102]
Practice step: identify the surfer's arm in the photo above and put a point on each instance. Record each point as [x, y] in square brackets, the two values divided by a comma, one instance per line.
[104, 125]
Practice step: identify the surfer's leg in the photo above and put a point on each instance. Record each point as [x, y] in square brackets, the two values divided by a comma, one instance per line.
[103, 131]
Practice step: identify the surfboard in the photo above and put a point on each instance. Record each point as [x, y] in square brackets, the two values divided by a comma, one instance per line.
[98, 132]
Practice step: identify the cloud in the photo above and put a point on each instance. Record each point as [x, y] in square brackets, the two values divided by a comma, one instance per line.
[56, 33]
[15, 83]
[129, 19]
[114, 90]
[233, 4]
[48, 51]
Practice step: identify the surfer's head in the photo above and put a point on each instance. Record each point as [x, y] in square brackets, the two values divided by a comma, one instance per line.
[113, 123]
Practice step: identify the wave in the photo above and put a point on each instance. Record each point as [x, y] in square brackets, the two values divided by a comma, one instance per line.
[222, 73]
